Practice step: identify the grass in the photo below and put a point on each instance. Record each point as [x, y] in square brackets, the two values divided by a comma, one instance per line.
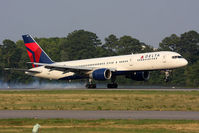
[99, 126]
[100, 100]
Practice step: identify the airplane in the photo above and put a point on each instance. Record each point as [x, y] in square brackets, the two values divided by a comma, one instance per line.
[133, 66]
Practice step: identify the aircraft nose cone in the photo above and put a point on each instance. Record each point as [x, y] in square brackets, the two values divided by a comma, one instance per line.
[185, 62]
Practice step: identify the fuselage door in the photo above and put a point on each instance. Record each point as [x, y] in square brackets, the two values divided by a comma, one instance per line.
[131, 62]
[164, 59]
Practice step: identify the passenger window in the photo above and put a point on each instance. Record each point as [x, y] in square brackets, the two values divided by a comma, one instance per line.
[175, 57]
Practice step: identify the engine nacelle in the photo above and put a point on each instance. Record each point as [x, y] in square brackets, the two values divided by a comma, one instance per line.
[139, 76]
[101, 74]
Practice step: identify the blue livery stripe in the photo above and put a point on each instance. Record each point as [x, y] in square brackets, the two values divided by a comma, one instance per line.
[27, 39]
[84, 77]
[32, 53]
[45, 59]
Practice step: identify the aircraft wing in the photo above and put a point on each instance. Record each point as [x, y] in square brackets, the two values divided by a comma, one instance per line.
[66, 68]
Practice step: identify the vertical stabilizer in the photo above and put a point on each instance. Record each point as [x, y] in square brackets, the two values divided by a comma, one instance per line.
[35, 52]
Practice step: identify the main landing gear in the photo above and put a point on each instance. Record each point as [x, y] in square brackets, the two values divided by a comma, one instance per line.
[113, 84]
[90, 84]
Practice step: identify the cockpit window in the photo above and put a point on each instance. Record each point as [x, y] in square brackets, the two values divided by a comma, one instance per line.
[175, 57]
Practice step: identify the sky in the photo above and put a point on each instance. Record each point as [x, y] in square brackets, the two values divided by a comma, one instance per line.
[149, 21]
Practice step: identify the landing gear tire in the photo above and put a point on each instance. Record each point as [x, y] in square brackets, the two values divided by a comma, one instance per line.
[114, 85]
[166, 80]
[89, 86]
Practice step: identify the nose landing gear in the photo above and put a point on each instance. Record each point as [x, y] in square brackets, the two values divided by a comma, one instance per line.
[167, 75]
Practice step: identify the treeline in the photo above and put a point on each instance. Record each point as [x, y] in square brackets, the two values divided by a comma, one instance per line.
[82, 44]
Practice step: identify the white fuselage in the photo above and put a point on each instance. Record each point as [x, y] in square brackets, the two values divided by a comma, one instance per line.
[134, 62]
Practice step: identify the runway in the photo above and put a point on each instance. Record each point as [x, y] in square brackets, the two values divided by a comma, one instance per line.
[133, 89]
[90, 115]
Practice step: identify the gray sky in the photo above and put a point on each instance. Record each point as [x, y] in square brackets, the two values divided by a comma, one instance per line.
[147, 20]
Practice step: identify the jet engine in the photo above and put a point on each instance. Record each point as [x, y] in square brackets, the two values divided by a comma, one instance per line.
[101, 74]
[139, 76]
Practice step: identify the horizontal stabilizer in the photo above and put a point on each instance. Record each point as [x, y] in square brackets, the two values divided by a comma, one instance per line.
[24, 70]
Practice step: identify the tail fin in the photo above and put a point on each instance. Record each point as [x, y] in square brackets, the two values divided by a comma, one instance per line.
[35, 52]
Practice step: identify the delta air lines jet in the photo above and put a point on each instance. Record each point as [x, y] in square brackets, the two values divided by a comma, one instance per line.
[133, 66]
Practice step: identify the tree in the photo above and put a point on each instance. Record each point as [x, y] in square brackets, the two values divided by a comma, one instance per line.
[111, 44]
[170, 43]
[192, 75]
[128, 45]
[189, 46]
[8, 50]
[11, 57]
[80, 45]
